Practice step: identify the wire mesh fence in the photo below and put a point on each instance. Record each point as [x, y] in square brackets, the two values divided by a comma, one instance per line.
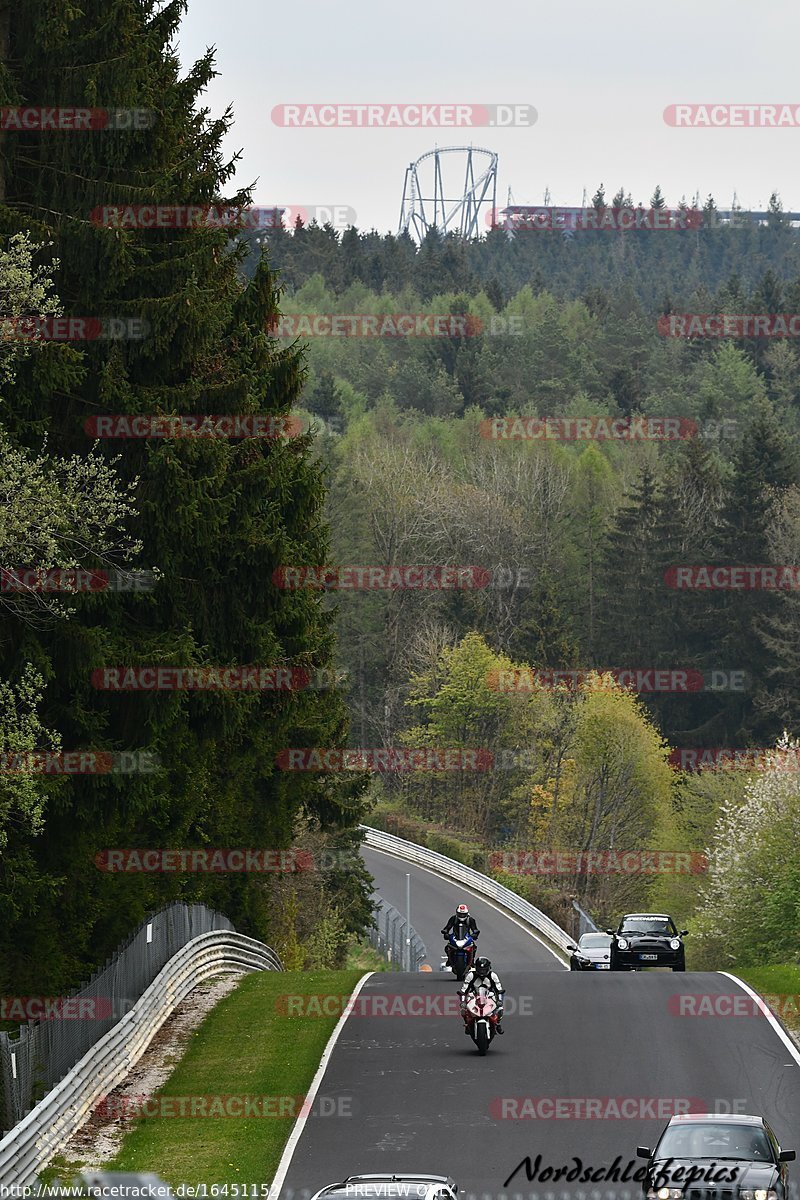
[35, 1060]
[390, 936]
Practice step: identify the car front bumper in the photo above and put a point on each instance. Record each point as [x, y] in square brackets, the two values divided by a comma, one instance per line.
[648, 958]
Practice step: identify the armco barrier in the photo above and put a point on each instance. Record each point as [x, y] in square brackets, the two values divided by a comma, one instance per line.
[37, 1056]
[482, 884]
[48, 1127]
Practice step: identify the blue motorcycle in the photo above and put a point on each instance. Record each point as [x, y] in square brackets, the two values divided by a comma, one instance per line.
[460, 954]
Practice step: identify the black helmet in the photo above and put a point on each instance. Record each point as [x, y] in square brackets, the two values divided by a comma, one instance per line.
[483, 967]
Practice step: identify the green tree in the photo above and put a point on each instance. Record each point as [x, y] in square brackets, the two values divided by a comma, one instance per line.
[631, 586]
[765, 466]
[749, 908]
[618, 791]
[218, 517]
[593, 501]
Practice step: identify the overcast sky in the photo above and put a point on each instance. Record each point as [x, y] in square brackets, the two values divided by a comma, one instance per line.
[599, 75]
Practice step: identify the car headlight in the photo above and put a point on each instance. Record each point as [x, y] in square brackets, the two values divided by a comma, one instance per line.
[758, 1194]
[664, 1193]
[622, 943]
[675, 944]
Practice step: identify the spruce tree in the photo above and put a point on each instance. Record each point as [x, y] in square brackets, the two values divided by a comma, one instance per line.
[217, 517]
[629, 636]
[764, 466]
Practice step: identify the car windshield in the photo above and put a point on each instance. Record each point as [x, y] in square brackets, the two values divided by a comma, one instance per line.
[648, 925]
[594, 941]
[717, 1140]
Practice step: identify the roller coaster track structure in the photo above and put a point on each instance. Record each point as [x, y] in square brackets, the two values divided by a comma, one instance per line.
[427, 206]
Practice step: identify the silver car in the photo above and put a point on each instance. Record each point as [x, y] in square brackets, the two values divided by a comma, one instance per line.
[592, 953]
[405, 1186]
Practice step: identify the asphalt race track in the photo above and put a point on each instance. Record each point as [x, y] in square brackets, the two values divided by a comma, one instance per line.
[414, 1095]
[433, 900]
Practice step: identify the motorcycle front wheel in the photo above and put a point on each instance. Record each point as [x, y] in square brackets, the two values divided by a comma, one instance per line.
[482, 1037]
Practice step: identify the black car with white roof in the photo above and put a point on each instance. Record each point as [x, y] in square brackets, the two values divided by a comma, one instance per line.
[647, 940]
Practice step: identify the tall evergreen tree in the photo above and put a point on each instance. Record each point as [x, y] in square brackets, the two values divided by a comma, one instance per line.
[765, 466]
[217, 517]
[628, 633]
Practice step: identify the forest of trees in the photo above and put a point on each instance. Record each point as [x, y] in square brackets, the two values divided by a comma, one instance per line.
[583, 537]
[212, 517]
[657, 265]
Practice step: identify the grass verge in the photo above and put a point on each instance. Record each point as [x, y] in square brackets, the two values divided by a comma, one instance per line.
[361, 956]
[245, 1047]
[779, 987]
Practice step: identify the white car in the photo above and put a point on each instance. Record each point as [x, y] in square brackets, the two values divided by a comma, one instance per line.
[592, 953]
[405, 1186]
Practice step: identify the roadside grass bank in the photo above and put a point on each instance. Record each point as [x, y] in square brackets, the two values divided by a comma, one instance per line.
[779, 987]
[361, 956]
[248, 1046]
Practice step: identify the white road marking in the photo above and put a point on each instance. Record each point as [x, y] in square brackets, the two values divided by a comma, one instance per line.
[769, 1014]
[300, 1123]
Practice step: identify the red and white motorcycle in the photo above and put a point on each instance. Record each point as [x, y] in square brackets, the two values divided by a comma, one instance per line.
[482, 1018]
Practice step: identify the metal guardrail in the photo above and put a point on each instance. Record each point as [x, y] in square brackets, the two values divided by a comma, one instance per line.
[48, 1127]
[40, 1053]
[390, 941]
[482, 884]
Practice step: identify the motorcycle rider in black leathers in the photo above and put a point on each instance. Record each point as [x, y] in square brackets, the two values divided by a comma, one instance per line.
[482, 975]
[460, 924]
